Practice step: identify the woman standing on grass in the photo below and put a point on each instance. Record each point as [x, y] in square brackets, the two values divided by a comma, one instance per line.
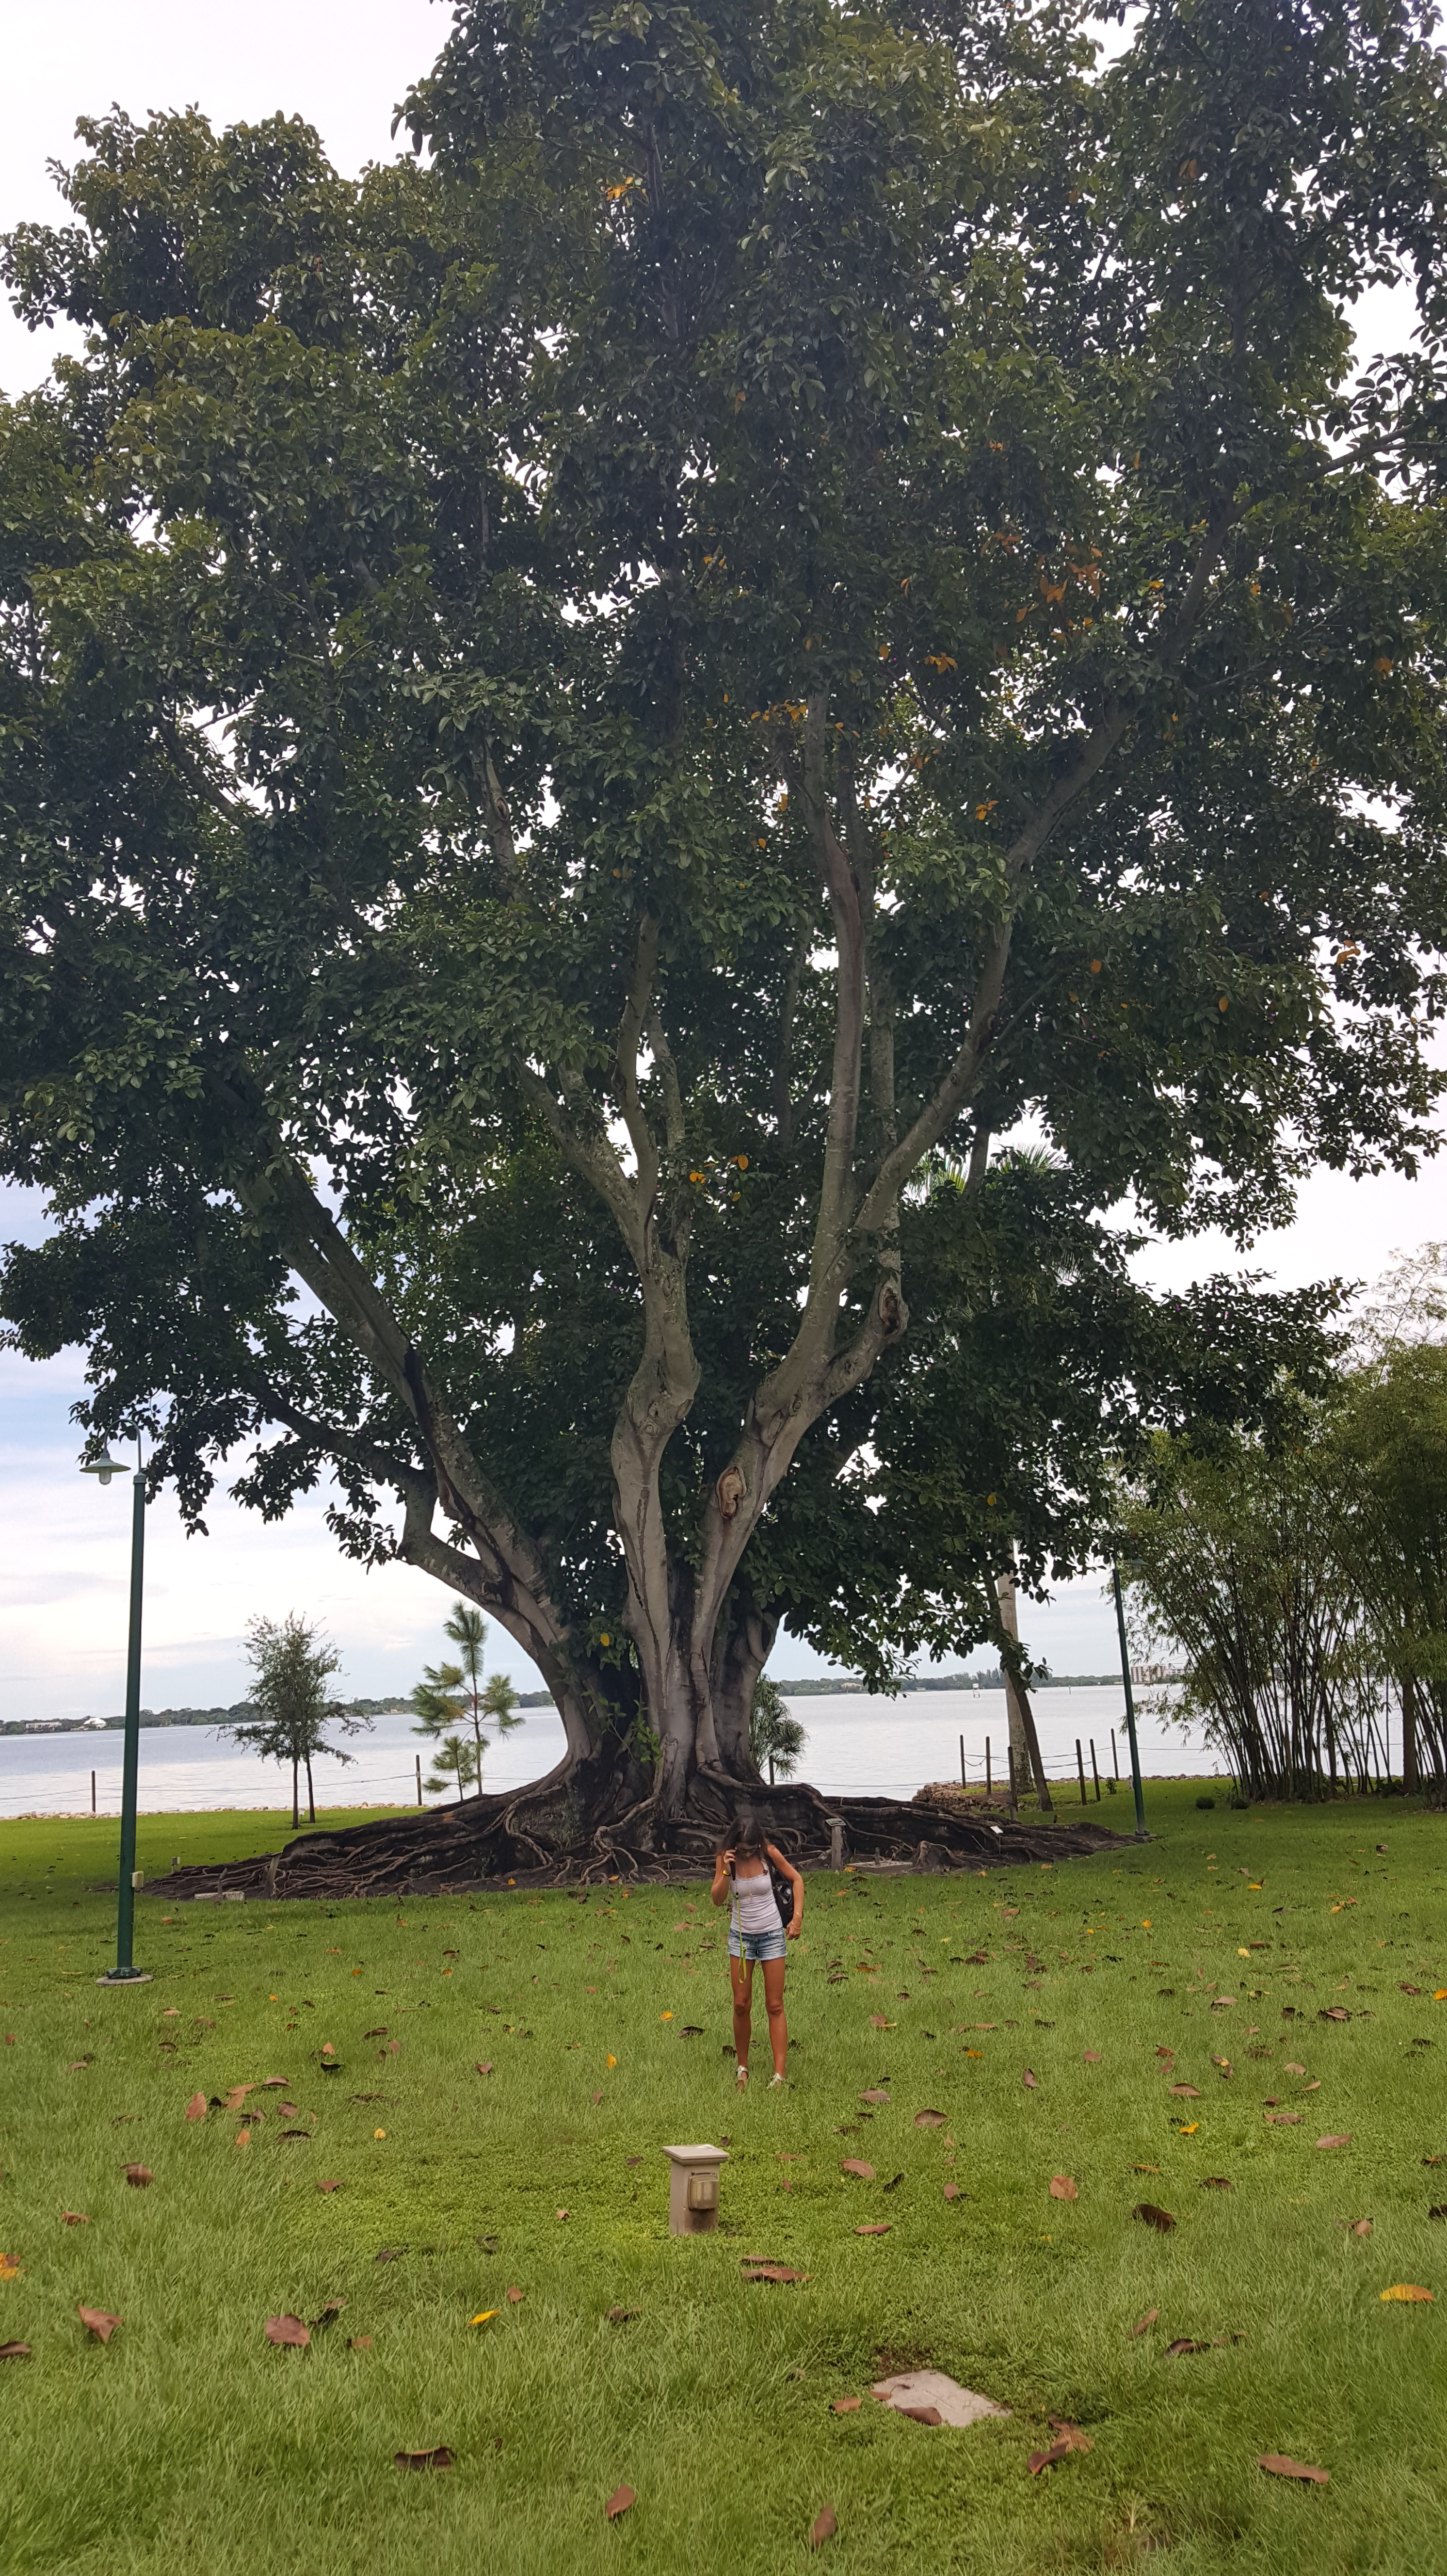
[756, 1932]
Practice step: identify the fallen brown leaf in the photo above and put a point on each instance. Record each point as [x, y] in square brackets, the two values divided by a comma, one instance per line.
[380, 2032]
[1362, 2227]
[1187, 2092]
[1093, 2057]
[330, 2186]
[1071, 2434]
[514, 2298]
[237, 2096]
[952, 2191]
[1148, 2319]
[1182, 2344]
[877, 2022]
[99, 2323]
[10, 2270]
[359, 2343]
[1062, 2188]
[484, 2066]
[1332, 2141]
[771, 2272]
[846, 2405]
[331, 2310]
[1031, 2081]
[1050, 2459]
[823, 2527]
[1214, 2182]
[623, 2316]
[876, 2094]
[877, 2227]
[619, 2502]
[1161, 2219]
[921, 2414]
[856, 2165]
[197, 2107]
[1334, 2012]
[138, 2176]
[441, 2458]
[929, 2119]
[284, 2330]
[74, 2218]
[16, 2352]
[1281, 2467]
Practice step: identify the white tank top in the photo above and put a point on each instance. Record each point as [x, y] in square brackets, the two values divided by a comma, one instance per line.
[755, 1906]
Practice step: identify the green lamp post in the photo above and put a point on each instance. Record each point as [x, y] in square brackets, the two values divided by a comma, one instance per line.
[125, 1972]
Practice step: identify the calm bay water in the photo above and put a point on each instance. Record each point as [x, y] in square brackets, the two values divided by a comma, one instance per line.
[856, 1746]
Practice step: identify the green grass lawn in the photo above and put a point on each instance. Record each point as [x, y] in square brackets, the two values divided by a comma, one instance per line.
[189, 2444]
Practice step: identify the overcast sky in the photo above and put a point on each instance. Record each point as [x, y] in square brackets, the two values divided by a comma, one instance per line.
[344, 64]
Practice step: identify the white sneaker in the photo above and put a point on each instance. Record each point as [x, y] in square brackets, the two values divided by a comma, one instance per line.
[742, 2076]
[773, 2080]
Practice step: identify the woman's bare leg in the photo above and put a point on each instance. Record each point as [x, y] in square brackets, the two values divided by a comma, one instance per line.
[774, 1998]
[741, 1978]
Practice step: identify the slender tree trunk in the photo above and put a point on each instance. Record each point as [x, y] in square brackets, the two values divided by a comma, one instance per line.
[1410, 1777]
[1024, 1742]
[311, 1795]
[295, 1801]
[477, 1732]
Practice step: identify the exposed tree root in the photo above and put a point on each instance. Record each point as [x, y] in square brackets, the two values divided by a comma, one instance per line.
[541, 1837]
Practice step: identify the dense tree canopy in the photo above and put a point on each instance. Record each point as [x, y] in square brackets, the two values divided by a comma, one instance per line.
[586, 719]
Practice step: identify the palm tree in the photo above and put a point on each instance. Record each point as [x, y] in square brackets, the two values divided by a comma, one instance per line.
[452, 1693]
[468, 1630]
[774, 1736]
[456, 1761]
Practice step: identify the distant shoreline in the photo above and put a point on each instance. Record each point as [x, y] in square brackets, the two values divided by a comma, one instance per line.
[822, 1686]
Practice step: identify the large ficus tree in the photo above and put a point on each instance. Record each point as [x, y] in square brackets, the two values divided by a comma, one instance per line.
[588, 718]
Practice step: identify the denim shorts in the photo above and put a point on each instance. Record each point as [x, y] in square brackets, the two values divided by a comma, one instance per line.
[757, 1945]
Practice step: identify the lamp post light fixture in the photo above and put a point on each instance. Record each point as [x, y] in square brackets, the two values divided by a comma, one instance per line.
[125, 1972]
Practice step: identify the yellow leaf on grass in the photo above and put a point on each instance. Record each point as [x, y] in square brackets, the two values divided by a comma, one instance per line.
[665, 2016]
[10, 2270]
[379, 2133]
[611, 2061]
[482, 2320]
[1408, 2291]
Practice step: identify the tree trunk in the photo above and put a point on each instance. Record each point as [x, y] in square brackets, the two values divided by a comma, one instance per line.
[295, 1805]
[1024, 1742]
[477, 1732]
[311, 1795]
[1410, 1777]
